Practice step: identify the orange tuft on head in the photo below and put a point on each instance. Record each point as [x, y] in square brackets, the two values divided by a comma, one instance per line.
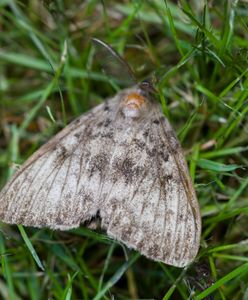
[134, 100]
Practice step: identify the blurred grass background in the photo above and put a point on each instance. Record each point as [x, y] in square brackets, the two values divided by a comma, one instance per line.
[48, 76]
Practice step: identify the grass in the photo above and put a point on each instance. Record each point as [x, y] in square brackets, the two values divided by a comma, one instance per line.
[48, 76]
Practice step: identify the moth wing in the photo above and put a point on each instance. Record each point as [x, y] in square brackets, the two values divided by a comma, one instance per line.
[151, 205]
[56, 186]
[113, 64]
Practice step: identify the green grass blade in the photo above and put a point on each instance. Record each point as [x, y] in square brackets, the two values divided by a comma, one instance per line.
[68, 290]
[6, 270]
[216, 166]
[30, 247]
[116, 277]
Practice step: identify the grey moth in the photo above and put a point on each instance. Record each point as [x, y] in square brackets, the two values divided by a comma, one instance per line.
[121, 162]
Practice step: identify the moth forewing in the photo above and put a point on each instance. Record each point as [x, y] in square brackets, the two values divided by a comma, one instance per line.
[158, 214]
[48, 191]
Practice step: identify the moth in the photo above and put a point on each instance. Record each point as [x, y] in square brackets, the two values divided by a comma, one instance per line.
[119, 165]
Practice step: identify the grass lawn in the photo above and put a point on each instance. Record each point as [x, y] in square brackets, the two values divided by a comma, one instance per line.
[198, 51]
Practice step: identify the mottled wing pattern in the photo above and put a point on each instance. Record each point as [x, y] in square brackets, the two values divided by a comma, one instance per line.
[58, 186]
[129, 172]
[150, 203]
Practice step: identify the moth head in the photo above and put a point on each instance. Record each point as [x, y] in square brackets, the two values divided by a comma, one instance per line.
[147, 87]
[136, 102]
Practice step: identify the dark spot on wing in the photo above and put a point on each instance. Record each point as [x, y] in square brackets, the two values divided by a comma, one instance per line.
[181, 217]
[151, 152]
[165, 179]
[91, 133]
[141, 145]
[88, 132]
[100, 124]
[107, 122]
[164, 155]
[104, 123]
[145, 133]
[169, 177]
[156, 121]
[126, 169]
[108, 135]
[98, 163]
[161, 152]
[77, 135]
[63, 150]
[62, 154]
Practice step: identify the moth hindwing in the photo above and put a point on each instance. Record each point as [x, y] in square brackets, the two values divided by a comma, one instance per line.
[122, 162]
